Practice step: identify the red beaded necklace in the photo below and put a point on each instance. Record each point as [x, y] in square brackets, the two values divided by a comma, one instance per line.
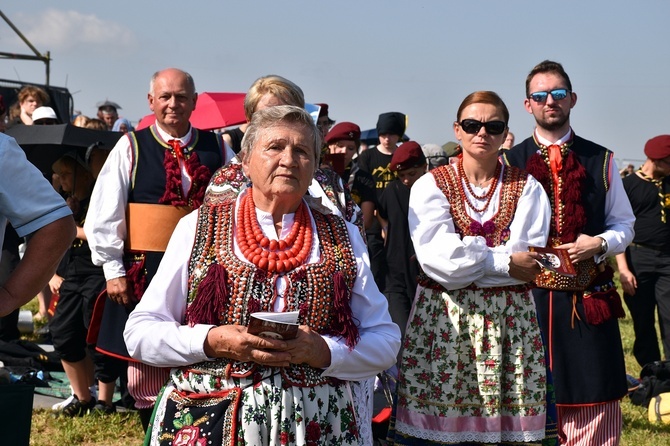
[488, 195]
[272, 255]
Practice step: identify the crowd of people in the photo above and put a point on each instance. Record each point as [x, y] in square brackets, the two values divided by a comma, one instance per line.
[398, 259]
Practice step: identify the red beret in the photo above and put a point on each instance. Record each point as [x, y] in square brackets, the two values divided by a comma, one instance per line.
[343, 130]
[658, 147]
[407, 155]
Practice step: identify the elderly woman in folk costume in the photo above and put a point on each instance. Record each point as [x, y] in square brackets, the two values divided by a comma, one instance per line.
[473, 366]
[263, 249]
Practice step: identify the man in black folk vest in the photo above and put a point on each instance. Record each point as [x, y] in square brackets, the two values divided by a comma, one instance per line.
[151, 178]
[644, 270]
[592, 219]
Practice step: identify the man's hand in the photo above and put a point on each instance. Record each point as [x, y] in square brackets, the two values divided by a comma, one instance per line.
[44, 250]
[583, 248]
[119, 292]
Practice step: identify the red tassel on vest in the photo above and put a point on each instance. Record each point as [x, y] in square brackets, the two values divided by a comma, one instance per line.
[211, 299]
[137, 277]
[573, 174]
[200, 175]
[173, 194]
[604, 303]
[343, 324]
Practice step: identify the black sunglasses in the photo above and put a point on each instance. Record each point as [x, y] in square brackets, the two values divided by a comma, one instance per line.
[472, 126]
[556, 95]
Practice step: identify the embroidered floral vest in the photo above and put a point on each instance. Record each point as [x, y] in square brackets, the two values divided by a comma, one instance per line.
[495, 231]
[513, 182]
[317, 290]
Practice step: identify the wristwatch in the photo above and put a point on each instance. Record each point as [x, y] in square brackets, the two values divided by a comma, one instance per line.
[603, 246]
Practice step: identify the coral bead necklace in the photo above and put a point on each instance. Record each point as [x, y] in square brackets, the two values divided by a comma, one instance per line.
[488, 195]
[274, 256]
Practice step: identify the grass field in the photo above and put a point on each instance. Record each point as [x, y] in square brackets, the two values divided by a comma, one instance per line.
[125, 429]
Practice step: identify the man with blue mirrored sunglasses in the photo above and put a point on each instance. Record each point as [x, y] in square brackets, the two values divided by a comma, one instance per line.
[541, 96]
[578, 316]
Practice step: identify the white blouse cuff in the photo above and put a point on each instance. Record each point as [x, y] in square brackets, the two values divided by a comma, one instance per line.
[337, 352]
[113, 269]
[498, 262]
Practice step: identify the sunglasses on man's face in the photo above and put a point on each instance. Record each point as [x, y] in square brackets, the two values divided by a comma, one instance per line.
[556, 95]
[472, 126]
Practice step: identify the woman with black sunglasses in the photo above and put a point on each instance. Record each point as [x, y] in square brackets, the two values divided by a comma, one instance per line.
[473, 366]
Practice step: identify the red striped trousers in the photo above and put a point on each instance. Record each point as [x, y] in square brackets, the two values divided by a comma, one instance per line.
[597, 425]
[145, 382]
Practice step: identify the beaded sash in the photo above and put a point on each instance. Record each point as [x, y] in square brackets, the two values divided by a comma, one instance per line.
[586, 271]
[311, 288]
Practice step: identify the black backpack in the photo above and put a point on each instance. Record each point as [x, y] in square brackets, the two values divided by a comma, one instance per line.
[654, 380]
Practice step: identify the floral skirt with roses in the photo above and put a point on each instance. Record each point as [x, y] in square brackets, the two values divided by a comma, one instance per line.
[197, 409]
[472, 370]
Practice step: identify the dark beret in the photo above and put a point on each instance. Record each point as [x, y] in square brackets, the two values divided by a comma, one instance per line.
[658, 147]
[407, 155]
[343, 130]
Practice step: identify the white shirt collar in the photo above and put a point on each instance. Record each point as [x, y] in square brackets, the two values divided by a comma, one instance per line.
[165, 136]
[545, 142]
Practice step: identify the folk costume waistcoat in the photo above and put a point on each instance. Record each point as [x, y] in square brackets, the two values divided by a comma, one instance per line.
[156, 176]
[156, 179]
[577, 201]
[590, 187]
[320, 291]
[579, 327]
[495, 231]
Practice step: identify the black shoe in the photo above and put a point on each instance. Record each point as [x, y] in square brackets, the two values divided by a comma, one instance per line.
[103, 409]
[77, 408]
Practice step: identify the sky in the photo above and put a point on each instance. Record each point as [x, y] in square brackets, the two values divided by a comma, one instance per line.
[363, 58]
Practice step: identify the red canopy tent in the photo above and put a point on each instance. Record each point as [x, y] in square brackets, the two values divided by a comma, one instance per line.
[212, 111]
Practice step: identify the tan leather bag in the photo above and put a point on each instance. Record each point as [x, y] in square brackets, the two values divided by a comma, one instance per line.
[151, 225]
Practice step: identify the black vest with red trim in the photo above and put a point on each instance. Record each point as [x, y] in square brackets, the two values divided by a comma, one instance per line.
[595, 159]
[586, 360]
[148, 175]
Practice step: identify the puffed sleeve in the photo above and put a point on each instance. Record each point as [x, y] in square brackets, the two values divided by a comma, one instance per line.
[456, 262]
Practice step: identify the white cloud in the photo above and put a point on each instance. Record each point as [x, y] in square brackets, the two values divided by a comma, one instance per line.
[56, 30]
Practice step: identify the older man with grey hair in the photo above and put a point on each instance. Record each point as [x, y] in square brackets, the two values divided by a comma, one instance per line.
[152, 177]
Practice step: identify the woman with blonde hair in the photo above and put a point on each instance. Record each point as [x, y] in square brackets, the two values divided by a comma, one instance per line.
[265, 92]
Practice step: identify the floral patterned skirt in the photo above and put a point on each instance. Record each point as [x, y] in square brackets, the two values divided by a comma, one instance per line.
[200, 409]
[472, 370]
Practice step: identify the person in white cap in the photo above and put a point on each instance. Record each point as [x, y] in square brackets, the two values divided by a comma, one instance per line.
[44, 116]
